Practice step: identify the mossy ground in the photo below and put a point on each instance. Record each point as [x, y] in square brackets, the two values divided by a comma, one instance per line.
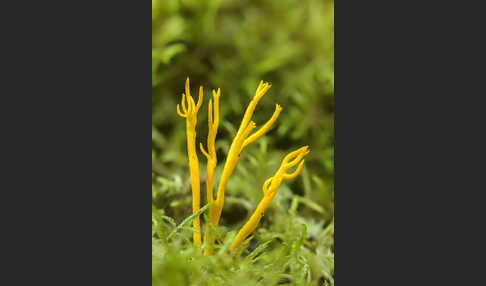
[233, 45]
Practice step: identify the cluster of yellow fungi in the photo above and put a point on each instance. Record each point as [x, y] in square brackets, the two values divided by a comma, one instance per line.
[241, 140]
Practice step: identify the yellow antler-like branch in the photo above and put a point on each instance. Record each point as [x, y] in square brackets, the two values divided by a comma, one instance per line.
[270, 188]
[237, 146]
[190, 113]
[264, 129]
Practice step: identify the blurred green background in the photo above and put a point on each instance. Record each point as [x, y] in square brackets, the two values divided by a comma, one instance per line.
[233, 45]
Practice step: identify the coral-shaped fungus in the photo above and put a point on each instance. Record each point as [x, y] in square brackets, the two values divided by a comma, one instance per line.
[241, 140]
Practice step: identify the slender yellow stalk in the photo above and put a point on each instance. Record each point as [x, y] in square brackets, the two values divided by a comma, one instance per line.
[190, 113]
[270, 188]
[213, 123]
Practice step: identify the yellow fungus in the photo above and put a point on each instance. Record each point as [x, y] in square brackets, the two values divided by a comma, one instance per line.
[213, 122]
[270, 188]
[190, 113]
[237, 146]
[241, 140]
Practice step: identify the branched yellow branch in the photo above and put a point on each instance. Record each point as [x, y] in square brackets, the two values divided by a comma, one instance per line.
[264, 129]
[270, 188]
[190, 113]
[237, 146]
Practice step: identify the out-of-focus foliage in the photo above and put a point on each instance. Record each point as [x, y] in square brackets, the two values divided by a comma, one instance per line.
[233, 44]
